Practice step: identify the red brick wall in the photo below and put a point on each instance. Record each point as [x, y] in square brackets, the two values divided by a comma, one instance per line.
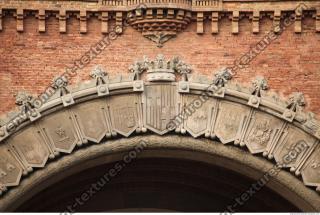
[30, 60]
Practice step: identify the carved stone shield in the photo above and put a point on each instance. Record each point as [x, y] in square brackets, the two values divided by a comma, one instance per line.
[230, 119]
[61, 132]
[160, 106]
[31, 147]
[91, 117]
[198, 119]
[123, 110]
[261, 131]
[10, 170]
[293, 145]
[311, 171]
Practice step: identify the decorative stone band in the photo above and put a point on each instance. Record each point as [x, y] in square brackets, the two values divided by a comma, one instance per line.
[160, 20]
[230, 117]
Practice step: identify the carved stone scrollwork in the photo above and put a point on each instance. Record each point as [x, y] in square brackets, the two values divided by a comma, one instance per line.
[61, 83]
[101, 77]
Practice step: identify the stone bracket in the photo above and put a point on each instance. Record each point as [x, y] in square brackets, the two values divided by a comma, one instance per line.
[220, 92]
[297, 22]
[83, 21]
[184, 87]
[200, 18]
[214, 23]
[104, 22]
[235, 22]
[288, 115]
[119, 24]
[138, 86]
[42, 20]
[103, 89]
[67, 100]
[19, 17]
[254, 101]
[276, 21]
[255, 21]
[35, 114]
[62, 21]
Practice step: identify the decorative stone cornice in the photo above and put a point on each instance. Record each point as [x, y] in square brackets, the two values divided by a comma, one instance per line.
[161, 20]
[121, 106]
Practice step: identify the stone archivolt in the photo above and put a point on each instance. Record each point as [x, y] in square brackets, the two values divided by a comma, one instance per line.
[109, 107]
[160, 20]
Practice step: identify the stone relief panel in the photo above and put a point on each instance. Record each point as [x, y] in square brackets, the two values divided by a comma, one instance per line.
[91, 117]
[160, 106]
[261, 131]
[311, 171]
[231, 117]
[124, 113]
[31, 147]
[199, 114]
[293, 146]
[10, 170]
[61, 132]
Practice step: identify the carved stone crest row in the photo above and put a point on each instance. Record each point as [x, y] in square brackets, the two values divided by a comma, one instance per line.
[150, 100]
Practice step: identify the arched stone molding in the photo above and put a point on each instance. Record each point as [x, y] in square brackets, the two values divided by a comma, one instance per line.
[109, 108]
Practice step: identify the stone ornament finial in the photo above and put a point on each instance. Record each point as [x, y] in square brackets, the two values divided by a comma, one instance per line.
[259, 84]
[182, 68]
[222, 77]
[60, 83]
[294, 104]
[101, 77]
[296, 101]
[160, 69]
[99, 74]
[25, 101]
[138, 68]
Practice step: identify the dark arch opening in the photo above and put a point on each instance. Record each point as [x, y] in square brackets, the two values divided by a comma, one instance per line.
[157, 184]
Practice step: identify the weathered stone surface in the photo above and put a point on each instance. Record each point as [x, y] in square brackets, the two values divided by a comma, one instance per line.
[160, 106]
[91, 117]
[10, 170]
[311, 171]
[199, 112]
[61, 132]
[123, 110]
[231, 117]
[31, 147]
[292, 146]
[261, 131]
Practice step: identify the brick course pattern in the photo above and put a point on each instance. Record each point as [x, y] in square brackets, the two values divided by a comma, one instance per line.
[34, 49]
